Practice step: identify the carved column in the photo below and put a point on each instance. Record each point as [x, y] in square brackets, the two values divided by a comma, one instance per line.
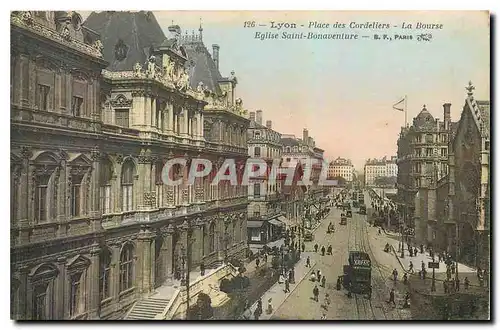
[147, 110]
[24, 200]
[145, 248]
[93, 279]
[23, 303]
[144, 192]
[170, 116]
[95, 210]
[185, 115]
[138, 109]
[168, 244]
[61, 307]
[153, 111]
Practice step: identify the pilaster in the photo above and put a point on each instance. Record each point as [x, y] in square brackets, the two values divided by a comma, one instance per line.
[93, 279]
[145, 245]
[61, 308]
[114, 283]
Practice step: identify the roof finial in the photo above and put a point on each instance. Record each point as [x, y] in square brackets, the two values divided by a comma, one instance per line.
[201, 30]
[470, 88]
[172, 22]
[424, 108]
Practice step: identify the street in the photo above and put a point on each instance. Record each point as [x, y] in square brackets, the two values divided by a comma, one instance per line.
[357, 235]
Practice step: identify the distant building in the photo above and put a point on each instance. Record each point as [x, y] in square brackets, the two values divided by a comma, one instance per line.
[375, 168]
[341, 167]
[391, 167]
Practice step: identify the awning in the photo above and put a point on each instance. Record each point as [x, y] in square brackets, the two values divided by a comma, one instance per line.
[285, 220]
[254, 224]
[276, 222]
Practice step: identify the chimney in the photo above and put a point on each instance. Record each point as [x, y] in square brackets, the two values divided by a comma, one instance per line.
[447, 115]
[258, 117]
[269, 124]
[305, 136]
[215, 55]
[252, 116]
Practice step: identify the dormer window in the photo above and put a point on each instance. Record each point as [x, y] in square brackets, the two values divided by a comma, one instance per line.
[256, 135]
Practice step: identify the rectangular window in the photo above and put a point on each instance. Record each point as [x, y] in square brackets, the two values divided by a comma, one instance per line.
[418, 138]
[105, 199]
[76, 106]
[75, 200]
[257, 151]
[256, 190]
[43, 97]
[444, 152]
[41, 203]
[127, 197]
[74, 303]
[428, 152]
[122, 117]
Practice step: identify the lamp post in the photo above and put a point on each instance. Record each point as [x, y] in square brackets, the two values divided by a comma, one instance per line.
[186, 261]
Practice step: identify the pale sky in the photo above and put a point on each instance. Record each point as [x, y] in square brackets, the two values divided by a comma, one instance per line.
[343, 90]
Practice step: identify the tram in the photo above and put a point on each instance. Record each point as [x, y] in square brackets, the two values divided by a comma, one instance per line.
[358, 273]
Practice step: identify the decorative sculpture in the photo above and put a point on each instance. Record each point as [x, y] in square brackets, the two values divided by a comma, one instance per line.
[170, 73]
[184, 80]
[65, 33]
[151, 66]
[137, 69]
[98, 45]
[201, 87]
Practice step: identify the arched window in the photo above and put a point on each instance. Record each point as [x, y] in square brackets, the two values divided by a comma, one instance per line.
[257, 152]
[126, 267]
[105, 273]
[105, 186]
[43, 292]
[211, 237]
[127, 184]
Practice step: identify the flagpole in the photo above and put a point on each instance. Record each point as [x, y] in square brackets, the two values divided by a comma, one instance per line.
[406, 121]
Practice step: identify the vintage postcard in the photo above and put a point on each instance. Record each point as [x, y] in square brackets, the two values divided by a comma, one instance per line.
[250, 165]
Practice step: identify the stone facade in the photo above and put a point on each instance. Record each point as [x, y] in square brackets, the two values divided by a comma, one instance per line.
[264, 195]
[93, 227]
[341, 167]
[422, 160]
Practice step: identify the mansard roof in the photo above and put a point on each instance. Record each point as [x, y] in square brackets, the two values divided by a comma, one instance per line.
[127, 37]
[289, 142]
[203, 68]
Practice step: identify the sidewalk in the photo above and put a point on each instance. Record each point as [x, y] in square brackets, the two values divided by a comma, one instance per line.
[277, 291]
[391, 260]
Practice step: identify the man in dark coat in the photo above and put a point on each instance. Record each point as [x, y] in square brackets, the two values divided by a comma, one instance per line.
[316, 293]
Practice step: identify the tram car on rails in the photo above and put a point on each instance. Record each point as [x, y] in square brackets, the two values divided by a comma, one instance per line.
[358, 273]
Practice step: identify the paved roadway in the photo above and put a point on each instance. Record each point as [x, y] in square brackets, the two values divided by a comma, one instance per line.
[357, 235]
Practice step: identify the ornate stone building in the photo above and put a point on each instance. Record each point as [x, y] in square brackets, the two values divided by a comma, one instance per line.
[265, 220]
[422, 162]
[94, 227]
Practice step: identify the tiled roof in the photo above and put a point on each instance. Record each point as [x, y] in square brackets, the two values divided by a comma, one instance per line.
[133, 32]
[289, 142]
[205, 69]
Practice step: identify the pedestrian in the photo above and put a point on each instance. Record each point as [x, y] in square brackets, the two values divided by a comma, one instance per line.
[308, 261]
[265, 258]
[316, 293]
[257, 313]
[395, 274]
[323, 317]
[323, 250]
[303, 247]
[313, 277]
[292, 275]
[202, 268]
[270, 306]
[391, 297]
[415, 252]
[257, 262]
[407, 300]
[457, 284]
[405, 278]
[466, 283]
[421, 249]
[448, 272]
[410, 268]
[330, 250]
[323, 281]
[316, 247]
[287, 286]
[318, 275]
[422, 265]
